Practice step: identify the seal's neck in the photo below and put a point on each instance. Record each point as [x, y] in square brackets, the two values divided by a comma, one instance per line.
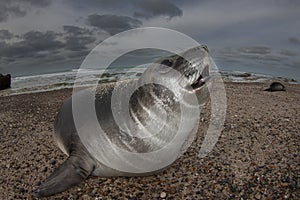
[152, 99]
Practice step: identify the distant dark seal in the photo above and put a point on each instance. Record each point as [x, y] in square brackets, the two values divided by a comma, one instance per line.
[80, 163]
[276, 86]
[5, 81]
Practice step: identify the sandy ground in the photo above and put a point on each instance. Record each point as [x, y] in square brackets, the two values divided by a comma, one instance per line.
[256, 157]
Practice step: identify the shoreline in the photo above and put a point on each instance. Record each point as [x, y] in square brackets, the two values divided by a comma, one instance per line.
[256, 156]
[12, 92]
[56, 81]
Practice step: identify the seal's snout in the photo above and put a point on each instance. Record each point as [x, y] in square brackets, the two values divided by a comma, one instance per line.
[198, 83]
[202, 79]
[196, 68]
[193, 66]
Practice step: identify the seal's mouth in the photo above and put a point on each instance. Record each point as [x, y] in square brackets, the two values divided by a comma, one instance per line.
[198, 83]
[203, 78]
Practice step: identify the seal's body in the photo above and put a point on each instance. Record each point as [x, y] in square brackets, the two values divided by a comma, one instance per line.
[276, 86]
[81, 163]
[5, 81]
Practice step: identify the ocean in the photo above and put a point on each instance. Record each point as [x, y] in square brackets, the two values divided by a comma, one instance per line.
[60, 80]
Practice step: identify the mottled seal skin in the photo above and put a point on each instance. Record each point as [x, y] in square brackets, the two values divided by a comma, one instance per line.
[80, 163]
[276, 86]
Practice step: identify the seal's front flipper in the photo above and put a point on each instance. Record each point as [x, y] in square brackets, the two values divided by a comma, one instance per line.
[73, 171]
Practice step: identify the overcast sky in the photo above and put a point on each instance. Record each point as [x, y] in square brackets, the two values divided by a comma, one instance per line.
[54, 35]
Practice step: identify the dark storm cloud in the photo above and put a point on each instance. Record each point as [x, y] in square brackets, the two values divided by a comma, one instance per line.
[260, 54]
[41, 41]
[139, 8]
[18, 8]
[33, 44]
[75, 30]
[106, 4]
[153, 8]
[37, 3]
[294, 40]
[6, 34]
[113, 24]
[7, 8]
[78, 38]
[78, 43]
[78, 54]
[45, 46]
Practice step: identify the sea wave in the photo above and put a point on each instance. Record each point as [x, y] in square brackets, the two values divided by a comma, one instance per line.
[88, 77]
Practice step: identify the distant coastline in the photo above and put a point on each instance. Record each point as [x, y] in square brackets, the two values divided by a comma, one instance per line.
[62, 80]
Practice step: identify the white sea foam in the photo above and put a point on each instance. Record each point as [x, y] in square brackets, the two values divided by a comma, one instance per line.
[55, 81]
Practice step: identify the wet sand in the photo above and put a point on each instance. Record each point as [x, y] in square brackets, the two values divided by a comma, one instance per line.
[256, 157]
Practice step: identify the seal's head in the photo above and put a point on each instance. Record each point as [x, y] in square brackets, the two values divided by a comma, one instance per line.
[189, 70]
[165, 102]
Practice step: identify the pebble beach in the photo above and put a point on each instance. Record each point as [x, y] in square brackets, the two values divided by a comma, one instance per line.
[257, 155]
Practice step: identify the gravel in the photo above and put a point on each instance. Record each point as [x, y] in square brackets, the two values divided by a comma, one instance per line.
[256, 157]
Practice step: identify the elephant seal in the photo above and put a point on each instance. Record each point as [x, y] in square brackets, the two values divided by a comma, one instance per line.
[5, 81]
[276, 86]
[193, 66]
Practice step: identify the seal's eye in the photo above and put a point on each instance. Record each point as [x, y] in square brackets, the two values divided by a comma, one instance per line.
[167, 62]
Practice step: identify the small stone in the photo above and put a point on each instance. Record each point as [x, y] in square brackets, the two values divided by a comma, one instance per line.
[233, 188]
[249, 191]
[293, 186]
[21, 190]
[163, 195]
[284, 184]
[45, 169]
[75, 196]
[199, 192]
[172, 190]
[85, 197]
[52, 161]
[92, 194]
[258, 196]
